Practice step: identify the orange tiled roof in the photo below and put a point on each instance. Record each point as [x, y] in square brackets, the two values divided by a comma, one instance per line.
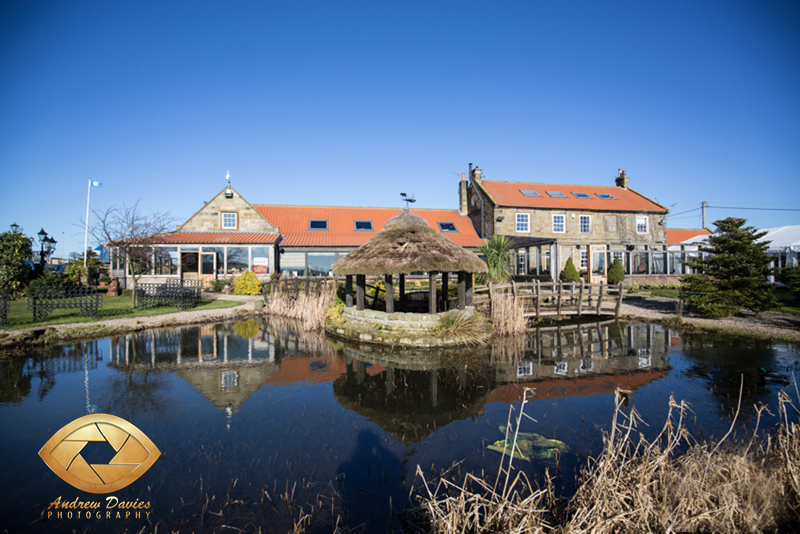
[509, 194]
[570, 387]
[222, 238]
[679, 235]
[293, 224]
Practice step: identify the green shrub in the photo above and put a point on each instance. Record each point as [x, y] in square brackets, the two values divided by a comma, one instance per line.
[616, 273]
[219, 284]
[47, 280]
[76, 271]
[105, 280]
[570, 273]
[790, 276]
[247, 284]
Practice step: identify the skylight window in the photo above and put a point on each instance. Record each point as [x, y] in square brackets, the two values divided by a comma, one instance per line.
[581, 195]
[318, 224]
[529, 193]
[556, 194]
[447, 226]
[606, 196]
[363, 226]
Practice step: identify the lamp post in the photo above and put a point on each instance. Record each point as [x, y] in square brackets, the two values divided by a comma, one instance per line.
[15, 228]
[46, 247]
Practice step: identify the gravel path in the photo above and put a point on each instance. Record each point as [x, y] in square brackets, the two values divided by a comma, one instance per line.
[768, 325]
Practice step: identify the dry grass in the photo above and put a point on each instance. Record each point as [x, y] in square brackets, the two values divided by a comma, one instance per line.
[507, 317]
[311, 309]
[669, 484]
[469, 327]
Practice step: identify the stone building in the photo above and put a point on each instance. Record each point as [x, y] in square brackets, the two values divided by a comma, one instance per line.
[549, 223]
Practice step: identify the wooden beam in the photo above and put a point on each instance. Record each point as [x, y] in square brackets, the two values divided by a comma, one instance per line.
[361, 282]
[402, 288]
[389, 293]
[445, 283]
[469, 280]
[432, 293]
[348, 290]
[600, 298]
[462, 290]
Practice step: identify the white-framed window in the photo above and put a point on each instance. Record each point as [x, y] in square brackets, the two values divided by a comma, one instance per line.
[523, 222]
[617, 255]
[584, 259]
[586, 224]
[642, 224]
[229, 220]
[559, 224]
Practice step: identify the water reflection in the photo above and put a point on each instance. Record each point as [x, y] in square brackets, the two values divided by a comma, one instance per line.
[264, 403]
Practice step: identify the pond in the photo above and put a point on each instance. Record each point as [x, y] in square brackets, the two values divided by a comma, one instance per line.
[260, 424]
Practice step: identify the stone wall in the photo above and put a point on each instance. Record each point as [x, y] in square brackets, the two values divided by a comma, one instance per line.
[209, 217]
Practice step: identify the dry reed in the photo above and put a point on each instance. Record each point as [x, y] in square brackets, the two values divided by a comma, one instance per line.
[311, 309]
[669, 484]
[507, 315]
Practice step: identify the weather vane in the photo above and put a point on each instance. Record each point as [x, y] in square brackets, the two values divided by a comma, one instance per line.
[408, 199]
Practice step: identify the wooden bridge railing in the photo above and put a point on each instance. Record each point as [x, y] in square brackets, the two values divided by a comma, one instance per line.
[555, 298]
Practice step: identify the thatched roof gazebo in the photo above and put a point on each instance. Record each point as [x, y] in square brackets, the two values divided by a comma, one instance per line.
[407, 244]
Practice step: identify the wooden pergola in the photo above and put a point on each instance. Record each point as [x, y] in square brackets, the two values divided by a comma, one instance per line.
[407, 244]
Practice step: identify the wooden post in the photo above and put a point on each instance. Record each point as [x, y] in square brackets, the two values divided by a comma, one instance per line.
[348, 290]
[580, 299]
[389, 293]
[538, 299]
[600, 298]
[445, 283]
[619, 299]
[402, 287]
[468, 299]
[462, 290]
[432, 293]
[558, 302]
[361, 281]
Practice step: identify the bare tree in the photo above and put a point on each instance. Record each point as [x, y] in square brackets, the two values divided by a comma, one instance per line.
[134, 232]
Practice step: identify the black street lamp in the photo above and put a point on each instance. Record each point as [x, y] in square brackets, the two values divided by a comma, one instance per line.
[47, 247]
[15, 228]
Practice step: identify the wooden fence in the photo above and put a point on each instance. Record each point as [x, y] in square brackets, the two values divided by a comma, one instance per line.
[540, 299]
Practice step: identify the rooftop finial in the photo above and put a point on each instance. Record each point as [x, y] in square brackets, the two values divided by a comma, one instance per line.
[228, 176]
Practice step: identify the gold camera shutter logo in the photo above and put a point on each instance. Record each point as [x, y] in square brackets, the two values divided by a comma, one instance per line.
[136, 453]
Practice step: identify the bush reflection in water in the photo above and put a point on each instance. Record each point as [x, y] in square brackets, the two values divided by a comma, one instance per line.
[262, 424]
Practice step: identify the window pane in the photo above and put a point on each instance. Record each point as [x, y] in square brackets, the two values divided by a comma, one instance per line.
[166, 260]
[558, 223]
[364, 225]
[659, 263]
[237, 260]
[293, 262]
[447, 227]
[320, 264]
[228, 220]
[220, 252]
[586, 224]
[639, 262]
[318, 224]
[523, 222]
[598, 263]
[207, 263]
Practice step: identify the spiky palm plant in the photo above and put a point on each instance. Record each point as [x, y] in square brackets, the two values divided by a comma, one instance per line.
[497, 255]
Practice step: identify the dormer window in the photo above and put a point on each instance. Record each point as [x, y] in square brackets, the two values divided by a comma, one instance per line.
[318, 224]
[229, 220]
[447, 226]
[363, 226]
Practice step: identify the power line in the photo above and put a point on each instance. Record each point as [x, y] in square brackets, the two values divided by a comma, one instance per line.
[681, 213]
[760, 209]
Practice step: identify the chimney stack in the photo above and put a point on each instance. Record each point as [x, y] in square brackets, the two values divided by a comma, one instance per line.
[622, 179]
[463, 207]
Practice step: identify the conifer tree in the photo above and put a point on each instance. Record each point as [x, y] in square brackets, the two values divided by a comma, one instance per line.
[734, 275]
[616, 273]
[570, 273]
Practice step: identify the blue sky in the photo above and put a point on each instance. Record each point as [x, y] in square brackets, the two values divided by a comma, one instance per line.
[351, 103]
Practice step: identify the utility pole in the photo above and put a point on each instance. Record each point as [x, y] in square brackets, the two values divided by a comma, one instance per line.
[704, 214]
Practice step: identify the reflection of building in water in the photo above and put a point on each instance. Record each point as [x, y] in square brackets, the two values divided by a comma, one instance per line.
[581, 359]
[411, 394]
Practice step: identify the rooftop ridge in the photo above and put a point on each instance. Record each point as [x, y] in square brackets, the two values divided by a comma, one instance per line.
[352, 207]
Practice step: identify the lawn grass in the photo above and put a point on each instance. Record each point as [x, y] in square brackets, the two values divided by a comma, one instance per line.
[113, 308]
[788, 302]
[668, 293]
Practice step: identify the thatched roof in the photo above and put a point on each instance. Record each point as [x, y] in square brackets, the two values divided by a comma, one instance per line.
[407, 244]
